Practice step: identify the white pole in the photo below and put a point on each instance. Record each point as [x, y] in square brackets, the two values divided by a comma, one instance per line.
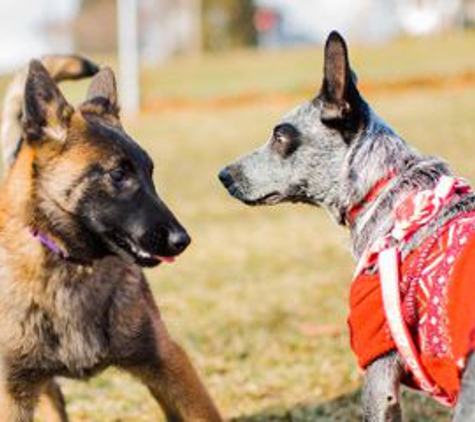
[129, 55]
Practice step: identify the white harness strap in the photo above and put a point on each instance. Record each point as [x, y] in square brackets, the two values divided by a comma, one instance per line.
[388, 261]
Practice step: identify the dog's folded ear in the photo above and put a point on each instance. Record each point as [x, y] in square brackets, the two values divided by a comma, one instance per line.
[339, 95]
[102, 98]
[46, 114]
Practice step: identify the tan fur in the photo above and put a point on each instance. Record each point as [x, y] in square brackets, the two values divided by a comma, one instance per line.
[52, 403]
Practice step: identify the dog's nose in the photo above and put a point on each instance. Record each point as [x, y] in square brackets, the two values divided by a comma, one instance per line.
[178, 241]
[226, 177]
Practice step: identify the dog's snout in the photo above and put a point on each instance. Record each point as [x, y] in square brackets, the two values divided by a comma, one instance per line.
[166, 240]
[226, 177]
[178, 240]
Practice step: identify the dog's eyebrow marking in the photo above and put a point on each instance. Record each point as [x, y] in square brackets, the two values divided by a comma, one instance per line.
[56, 132]
[86, 174]
[123, 141]
[286, 129]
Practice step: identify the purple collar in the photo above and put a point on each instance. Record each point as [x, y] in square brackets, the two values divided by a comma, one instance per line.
[49, 243]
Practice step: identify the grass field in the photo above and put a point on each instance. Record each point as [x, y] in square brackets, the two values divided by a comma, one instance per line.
[260, 298]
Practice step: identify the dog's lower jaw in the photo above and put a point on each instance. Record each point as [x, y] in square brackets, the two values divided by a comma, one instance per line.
[126, 250]
[381, 390]
[274, 198]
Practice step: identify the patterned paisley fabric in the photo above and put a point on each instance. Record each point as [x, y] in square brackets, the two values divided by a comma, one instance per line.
[436, 289]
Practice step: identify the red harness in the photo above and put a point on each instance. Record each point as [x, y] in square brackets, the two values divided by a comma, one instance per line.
[410, 306]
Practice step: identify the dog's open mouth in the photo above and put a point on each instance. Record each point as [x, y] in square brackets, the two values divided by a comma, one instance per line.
[123, 245]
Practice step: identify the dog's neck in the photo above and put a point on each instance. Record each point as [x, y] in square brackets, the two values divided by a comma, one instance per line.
[383, 168]
[26, 212]
[373, 194]
[49, 243]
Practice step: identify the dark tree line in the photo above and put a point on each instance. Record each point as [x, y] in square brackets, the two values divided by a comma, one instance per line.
[225, 24]
[228, 23]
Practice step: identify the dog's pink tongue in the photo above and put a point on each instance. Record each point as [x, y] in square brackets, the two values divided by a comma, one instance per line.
[166, 259]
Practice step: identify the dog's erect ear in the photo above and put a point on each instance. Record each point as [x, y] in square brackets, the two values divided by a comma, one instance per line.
[339, 95]
[102, 95]
[46, 113]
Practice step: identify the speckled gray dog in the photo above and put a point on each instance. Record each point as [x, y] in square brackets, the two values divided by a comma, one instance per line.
[330, 152]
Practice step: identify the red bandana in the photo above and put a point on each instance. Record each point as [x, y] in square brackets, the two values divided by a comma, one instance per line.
[418, 306]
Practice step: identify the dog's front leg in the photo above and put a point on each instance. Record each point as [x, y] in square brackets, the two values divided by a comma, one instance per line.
[53, 404]
[176, 386]
[173, 381]
[13, 411]
[18, 406]
[465, 410]
[381, 401]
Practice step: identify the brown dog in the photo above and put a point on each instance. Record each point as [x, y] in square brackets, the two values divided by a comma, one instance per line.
[79, 217]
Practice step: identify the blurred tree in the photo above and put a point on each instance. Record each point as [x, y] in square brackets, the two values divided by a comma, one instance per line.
[95, 29]
[228, 23]
[468, 13]
[222, 23]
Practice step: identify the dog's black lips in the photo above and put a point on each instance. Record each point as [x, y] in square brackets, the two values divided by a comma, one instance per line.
[269, 199]
[124, 245]
[296, 193]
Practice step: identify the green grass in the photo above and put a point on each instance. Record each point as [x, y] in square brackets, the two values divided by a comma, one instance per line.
[260, 298]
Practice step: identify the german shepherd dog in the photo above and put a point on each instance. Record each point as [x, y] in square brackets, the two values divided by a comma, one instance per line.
[330, 152]
[79, 217]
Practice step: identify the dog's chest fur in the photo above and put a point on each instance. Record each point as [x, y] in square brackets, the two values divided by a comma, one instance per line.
[61, 322]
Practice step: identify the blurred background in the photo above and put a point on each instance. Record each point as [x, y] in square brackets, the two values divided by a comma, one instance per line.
[180, 27]
[260, 298]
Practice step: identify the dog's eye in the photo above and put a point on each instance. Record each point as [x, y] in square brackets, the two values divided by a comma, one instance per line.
[280, 140]
[118, 175]
[282, 144]
[285, 139]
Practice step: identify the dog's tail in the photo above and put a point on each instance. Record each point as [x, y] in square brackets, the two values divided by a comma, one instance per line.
[60, 68]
